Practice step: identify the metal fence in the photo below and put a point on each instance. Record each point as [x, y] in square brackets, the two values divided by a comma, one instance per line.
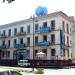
[38, 63]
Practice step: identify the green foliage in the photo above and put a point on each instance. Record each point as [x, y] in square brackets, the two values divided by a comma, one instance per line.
[39, 71]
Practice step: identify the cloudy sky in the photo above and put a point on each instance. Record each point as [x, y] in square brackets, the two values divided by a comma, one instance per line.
[23, 9]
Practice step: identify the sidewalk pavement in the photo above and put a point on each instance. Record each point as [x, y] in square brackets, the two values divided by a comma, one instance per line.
[28, 71]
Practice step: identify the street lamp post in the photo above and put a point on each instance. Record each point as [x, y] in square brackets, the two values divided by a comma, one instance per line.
[33, 20]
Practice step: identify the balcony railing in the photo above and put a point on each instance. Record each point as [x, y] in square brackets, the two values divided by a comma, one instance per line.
[21, 33]
[2, 46]
[52, 43]
[53, 57]
[43, 29]
[19, 46]
[37, 58]
[65, 46]
[44, 43]
[3, 36]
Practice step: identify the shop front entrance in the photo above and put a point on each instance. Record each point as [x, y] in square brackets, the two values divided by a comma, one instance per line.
[22, 54]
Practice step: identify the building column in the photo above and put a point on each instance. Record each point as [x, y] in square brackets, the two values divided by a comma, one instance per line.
[66, 57]
[31, 53]
[70, 52]
[11, 54]
[58, 53]
[48, 54]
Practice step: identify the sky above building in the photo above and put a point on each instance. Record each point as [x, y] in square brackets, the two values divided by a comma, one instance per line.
[23, 9]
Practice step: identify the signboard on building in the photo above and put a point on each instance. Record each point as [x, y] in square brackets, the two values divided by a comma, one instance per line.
[62, 39]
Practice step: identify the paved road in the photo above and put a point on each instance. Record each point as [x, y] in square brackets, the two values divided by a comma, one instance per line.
[25, 71]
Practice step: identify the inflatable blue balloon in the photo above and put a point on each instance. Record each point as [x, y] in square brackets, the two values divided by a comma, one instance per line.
[39, 10]
[45, 11]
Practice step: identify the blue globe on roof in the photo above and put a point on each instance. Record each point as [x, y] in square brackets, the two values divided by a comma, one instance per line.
[39, 10]
[45, 11]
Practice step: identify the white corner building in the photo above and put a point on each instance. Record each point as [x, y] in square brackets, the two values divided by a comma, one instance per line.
[52, 35]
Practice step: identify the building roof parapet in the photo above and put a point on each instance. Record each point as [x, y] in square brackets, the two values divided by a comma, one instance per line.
[59, 13]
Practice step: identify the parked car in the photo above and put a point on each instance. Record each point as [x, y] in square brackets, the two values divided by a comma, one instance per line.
[9, 72]
[23, 63]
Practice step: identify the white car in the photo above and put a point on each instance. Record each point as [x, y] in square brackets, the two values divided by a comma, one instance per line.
[9, 72]
[23, 63]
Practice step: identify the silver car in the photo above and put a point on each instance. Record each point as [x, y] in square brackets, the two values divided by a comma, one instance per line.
[9, 72]
[23, 63]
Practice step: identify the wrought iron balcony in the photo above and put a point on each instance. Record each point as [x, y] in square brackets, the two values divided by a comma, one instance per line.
[37, 58]
[19, 45]
[21, 33]
[44, 43]
[43, 29]
[65, 46]
[3, 36]
[52, 42]
[2, 46]
[53, 57]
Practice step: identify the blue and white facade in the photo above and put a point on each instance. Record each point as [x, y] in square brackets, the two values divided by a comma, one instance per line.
[51, 36]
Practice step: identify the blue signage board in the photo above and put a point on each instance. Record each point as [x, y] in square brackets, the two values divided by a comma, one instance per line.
[62, 39]
[63, 45]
